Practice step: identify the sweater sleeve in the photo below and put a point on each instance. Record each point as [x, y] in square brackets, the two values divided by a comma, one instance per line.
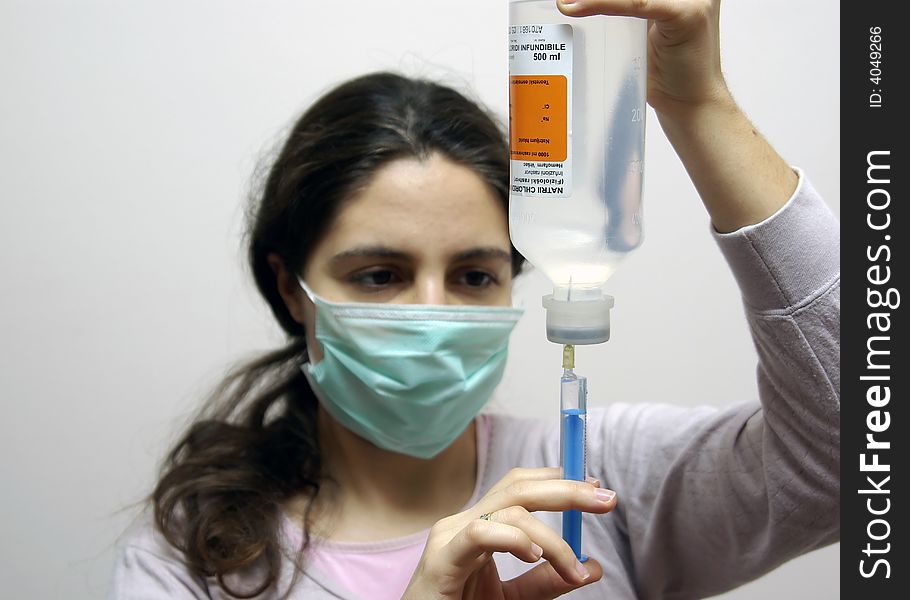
[710, 499]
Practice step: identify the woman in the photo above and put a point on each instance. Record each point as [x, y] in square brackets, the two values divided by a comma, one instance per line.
[351, 464]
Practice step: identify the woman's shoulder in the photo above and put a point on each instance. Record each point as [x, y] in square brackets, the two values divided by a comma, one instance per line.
[147, 565]
[142, 535]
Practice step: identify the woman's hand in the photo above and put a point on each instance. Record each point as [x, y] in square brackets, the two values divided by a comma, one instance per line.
[739, 176]
[683, 47]
[457, 562]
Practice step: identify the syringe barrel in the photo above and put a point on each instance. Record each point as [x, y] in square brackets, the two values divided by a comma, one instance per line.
[572, 451]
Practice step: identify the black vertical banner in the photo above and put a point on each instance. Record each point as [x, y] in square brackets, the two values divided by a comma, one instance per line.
[875, 437]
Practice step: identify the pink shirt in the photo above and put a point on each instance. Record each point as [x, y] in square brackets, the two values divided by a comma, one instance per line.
[378, 570]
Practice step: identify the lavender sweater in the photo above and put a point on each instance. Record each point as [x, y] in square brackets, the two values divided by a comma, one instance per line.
[709, 498]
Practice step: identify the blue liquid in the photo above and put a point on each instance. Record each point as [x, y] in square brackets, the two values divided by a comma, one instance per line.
[573, 464]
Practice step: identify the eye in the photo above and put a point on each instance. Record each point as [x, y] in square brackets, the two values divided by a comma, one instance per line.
[375, 279]
[477, 279]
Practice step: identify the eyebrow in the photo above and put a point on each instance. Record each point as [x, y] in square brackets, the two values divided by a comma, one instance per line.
[370, 252]
[378, 251]
[484, 253]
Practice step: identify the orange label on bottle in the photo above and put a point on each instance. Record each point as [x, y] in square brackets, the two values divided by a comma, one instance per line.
[540, 110]
[538, 118]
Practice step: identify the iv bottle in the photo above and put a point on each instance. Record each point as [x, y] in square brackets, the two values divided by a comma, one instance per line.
[577, 93]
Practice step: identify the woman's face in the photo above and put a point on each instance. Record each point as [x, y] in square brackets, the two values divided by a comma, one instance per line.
[421, 232]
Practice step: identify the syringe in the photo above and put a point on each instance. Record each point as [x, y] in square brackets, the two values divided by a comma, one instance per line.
[572, 440]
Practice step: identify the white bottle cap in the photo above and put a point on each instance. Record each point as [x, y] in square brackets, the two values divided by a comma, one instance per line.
[579, 322]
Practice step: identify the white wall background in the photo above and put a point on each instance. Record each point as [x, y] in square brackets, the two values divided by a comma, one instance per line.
[128, 135]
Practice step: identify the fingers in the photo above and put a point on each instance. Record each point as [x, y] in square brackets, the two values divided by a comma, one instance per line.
[479, 537]
[555, 549]
[527, 474]
[516, 531]
[533, 474]
[549, 495]
[543, 582]
[645, 9]
[501, 522]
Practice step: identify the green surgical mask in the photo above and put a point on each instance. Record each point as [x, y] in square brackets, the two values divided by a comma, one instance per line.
[408, 377]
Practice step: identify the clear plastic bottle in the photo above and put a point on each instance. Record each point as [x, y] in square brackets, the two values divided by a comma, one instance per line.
[577, 93]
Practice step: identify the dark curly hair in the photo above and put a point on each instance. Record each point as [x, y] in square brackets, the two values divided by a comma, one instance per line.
[255, 444]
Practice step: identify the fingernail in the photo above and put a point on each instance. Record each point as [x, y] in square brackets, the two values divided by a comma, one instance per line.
[567, 1]
[536, 550]
[581, 570]
[604, 495]
[593, 481]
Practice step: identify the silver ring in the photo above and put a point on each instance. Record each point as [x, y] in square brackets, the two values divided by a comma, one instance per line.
[487, 516]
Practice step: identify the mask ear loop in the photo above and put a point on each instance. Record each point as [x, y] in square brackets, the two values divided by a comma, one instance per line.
[312, 296]
[306, 289]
